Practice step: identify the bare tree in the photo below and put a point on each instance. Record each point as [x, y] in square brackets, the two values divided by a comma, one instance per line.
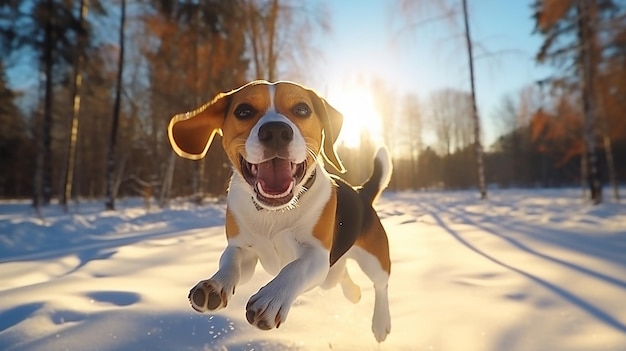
[441, 120]
[410, 8]
[513, 147]
[480, 163]
[111, 191]
[412, 123]
[281, 29]
[43, 172]
[449, 110]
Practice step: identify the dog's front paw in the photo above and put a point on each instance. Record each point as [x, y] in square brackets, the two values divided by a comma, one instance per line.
[209, 295]
[267, 309]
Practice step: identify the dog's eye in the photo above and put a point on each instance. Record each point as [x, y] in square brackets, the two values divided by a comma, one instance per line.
[301, 110]
[244, 111]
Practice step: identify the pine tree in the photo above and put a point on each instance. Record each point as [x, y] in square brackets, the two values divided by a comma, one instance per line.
[573, 32]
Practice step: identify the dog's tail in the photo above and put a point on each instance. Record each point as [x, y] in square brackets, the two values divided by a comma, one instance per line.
[378, 181]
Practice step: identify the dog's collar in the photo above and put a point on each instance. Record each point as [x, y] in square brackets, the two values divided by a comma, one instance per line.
[309, 182]
[305, 187]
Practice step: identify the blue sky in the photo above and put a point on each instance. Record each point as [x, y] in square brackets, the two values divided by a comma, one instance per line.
[369, 40]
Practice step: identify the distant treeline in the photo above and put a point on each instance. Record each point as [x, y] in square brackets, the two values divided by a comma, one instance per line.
[515, 161]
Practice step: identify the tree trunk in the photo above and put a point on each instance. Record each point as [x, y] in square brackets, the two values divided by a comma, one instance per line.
[583, 173]
[253, 21]
[38, 176]
[47, 116]
[586, 35]
[477, 143]
[166, 188]
[610, 162]
[271, 55]
[78, 79]
[608, 150]
[608, 145]
[110, 175]
[199, 171]
[43, 172]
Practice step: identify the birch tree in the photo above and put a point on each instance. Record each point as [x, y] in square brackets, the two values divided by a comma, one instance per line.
[79, 58]
[478, 146]
[448, 12]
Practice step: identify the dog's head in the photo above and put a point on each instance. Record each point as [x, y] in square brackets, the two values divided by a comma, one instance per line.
[271, 132]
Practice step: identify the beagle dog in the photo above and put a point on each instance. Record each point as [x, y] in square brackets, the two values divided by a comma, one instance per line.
[283, 209]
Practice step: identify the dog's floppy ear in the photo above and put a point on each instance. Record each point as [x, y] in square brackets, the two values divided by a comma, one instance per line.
[331, 122]
[191, 133]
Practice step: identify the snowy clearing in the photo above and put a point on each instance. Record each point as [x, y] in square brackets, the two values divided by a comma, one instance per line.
[525, 270]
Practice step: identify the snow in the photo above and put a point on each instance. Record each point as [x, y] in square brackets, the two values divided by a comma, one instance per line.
[525, 270]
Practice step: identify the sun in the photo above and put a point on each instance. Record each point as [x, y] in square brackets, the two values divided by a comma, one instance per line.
[360, 115]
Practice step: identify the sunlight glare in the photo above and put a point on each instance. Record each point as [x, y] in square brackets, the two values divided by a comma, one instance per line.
[357, 105]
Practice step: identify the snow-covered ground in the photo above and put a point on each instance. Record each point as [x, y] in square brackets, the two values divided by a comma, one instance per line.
[525, 270]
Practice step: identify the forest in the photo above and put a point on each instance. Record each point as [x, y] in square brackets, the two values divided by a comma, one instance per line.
[109, 74]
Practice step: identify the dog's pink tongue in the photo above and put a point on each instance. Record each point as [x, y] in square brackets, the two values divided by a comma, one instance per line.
[275, 175]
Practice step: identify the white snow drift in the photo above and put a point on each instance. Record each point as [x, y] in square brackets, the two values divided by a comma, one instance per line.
[525, 270]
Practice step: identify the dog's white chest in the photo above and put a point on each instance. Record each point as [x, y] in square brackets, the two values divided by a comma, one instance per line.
[277, 237]
[275, 251]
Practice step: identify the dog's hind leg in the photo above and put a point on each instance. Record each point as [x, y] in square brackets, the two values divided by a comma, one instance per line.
[334, 274]
[381, 321]
[351, 291]
[338, 273]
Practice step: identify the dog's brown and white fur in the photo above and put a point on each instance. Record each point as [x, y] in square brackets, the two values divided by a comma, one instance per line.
[284, 210]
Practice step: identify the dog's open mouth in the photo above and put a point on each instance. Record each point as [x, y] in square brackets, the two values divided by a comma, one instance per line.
[273, 180]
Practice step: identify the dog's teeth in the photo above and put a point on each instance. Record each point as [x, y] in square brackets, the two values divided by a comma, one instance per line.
[254, 169]
[278, 196]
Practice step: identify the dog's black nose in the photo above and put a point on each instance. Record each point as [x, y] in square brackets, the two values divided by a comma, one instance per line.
[275, 134]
